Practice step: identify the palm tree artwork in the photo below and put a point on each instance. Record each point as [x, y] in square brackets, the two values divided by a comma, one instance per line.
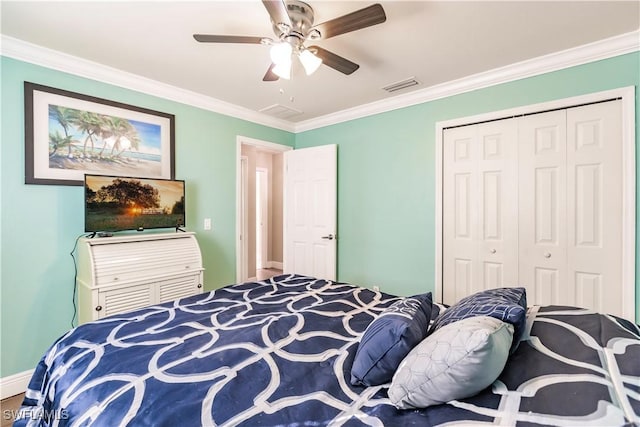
[89, 124]
[100, 143]
[63, 116]
[121, 135]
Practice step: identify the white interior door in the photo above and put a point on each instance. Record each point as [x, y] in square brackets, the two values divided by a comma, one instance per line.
[310, 201]
[459, 213]
[570, 217]
[498, 207]
[537, 201]
[594, 165]
[543, 202]
[480, 245]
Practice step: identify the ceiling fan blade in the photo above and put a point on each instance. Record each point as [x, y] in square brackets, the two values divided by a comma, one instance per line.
[353, 21]
[277, 11]
[334, 61]
[270, 76]
[210, 38]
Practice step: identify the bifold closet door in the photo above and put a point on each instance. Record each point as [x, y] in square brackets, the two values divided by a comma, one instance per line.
[479, 208]
[542, 215]
[536, 201]
[594, 211]
[570, 217]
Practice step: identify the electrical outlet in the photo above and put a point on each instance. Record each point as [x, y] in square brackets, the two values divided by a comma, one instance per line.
[207, 223]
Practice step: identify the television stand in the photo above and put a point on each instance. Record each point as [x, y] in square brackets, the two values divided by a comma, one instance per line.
[132, 271]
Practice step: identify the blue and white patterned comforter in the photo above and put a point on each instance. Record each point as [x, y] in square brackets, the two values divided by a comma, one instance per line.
[279, 353]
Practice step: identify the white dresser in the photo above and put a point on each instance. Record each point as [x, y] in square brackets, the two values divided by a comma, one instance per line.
[118, 274]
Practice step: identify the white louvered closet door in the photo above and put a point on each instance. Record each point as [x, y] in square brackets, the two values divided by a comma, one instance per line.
[480, 208]
[565, 233]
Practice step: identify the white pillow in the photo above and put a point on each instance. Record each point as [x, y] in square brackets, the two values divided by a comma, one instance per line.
[456, 361]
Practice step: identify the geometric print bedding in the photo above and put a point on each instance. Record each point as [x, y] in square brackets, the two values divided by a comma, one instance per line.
[280, 352]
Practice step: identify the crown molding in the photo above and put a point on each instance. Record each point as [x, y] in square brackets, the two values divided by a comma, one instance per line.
[49, 58]
[602, 49]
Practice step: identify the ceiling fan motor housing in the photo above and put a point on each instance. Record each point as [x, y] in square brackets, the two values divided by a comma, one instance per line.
[301, 16]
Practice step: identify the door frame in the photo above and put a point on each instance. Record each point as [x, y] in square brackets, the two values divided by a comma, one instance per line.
[240, 243]
[264, 215]
[243, 219]
[627, 96]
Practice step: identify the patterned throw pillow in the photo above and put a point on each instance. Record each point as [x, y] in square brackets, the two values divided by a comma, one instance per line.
[456, 361]
[389, 338]
[506, 304]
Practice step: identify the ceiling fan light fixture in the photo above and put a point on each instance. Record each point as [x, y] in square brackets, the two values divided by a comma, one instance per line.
[309, 61]
[281, 53]
[282, 70]
[314, 34]
[293, 25]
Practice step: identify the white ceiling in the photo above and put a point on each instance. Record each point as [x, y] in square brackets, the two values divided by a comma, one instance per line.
[433, 41]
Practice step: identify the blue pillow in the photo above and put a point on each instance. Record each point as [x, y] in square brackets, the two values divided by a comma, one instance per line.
[389, 338]
[506, 304]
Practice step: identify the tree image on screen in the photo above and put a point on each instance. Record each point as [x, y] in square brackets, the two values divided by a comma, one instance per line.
[126, 204]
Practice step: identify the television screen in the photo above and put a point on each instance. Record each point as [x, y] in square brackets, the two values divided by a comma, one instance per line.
[116, 203]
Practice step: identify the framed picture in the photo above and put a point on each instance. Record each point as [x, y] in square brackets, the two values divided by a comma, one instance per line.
[68, 134]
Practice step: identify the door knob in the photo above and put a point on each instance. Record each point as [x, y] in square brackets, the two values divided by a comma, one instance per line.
[547, 255]
[329, 237]
[493, 251]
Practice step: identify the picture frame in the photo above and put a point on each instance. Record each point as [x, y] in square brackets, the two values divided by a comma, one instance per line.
[68, 134]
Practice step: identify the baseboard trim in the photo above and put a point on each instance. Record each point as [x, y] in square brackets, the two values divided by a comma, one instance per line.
[15, 384]
[274, 264]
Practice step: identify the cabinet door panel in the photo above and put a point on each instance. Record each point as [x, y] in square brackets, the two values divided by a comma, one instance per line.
[179, 287]
[125, 299]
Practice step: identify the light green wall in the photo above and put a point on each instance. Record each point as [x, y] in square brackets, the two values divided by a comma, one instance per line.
[39, 223]
[386, 172]
[386, 198]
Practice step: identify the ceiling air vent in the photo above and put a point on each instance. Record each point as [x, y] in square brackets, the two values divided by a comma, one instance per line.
[403, 84]
[281, 111]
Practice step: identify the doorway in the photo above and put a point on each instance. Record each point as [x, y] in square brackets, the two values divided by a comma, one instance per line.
[259, 209]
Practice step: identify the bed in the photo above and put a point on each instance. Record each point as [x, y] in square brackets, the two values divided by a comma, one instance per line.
[280, 353]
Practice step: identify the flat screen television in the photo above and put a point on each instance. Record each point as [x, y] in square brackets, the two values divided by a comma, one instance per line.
[117, 203]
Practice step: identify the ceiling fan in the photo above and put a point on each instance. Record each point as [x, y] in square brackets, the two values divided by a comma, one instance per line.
[292, 22]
